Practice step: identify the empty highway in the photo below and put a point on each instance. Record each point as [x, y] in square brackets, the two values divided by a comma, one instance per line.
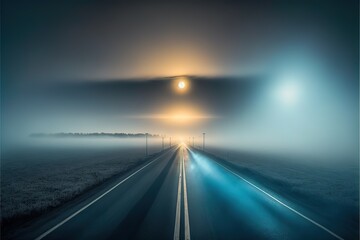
[181, 194]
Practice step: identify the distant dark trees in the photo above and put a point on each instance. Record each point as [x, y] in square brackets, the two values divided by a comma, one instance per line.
[100, 134]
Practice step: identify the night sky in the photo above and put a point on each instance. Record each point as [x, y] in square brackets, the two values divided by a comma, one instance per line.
[95, 40]
[92, 66]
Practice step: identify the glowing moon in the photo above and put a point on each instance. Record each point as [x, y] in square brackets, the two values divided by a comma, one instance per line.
[181, 85]
[289, 94]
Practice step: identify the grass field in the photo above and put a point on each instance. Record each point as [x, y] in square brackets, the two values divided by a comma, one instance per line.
[42, 176]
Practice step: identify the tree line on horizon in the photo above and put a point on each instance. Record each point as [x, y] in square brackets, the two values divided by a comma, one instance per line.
[95, 134]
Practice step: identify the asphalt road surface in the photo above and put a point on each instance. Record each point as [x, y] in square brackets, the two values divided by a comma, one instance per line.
[181, 194]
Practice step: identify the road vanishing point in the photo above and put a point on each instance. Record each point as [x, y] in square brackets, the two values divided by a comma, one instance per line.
[181, 193]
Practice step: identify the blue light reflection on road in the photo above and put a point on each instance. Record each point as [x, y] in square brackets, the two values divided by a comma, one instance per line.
[245, 204]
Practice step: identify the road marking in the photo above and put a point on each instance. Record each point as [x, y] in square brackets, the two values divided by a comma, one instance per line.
[186, 210]
[92, 202]
[178, 207]
[283, 204]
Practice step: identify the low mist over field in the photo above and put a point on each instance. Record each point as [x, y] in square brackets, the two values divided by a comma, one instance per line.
[293, 113]
[44, 142]
[268, 78]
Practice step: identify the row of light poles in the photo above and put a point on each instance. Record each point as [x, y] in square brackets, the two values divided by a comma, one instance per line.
[170, 145]
[163, 143]
[193, 141]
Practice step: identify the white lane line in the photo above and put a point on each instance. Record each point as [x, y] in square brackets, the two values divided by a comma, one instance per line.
[186, 210]
[91, 203]
[178, 206]
[283, 204]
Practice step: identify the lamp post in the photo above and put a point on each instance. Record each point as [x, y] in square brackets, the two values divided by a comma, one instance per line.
[203, 141]
[146, 141]
[163, 142]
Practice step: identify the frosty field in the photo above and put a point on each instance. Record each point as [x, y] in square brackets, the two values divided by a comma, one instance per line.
[43, 175]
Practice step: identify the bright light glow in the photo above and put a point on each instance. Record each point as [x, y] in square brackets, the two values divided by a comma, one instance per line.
[176, 117]
[181, 85]
[179, 115]
[289, 93]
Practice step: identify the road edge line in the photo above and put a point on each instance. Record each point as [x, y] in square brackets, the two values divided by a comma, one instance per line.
[178, 207]
[186, 210]
[92, 202]
[283, 204]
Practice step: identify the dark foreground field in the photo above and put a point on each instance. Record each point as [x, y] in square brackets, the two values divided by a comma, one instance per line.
[39, 177]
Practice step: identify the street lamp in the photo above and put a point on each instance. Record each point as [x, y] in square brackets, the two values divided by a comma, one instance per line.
[163, 142]
[146, 142]
[203, 141]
